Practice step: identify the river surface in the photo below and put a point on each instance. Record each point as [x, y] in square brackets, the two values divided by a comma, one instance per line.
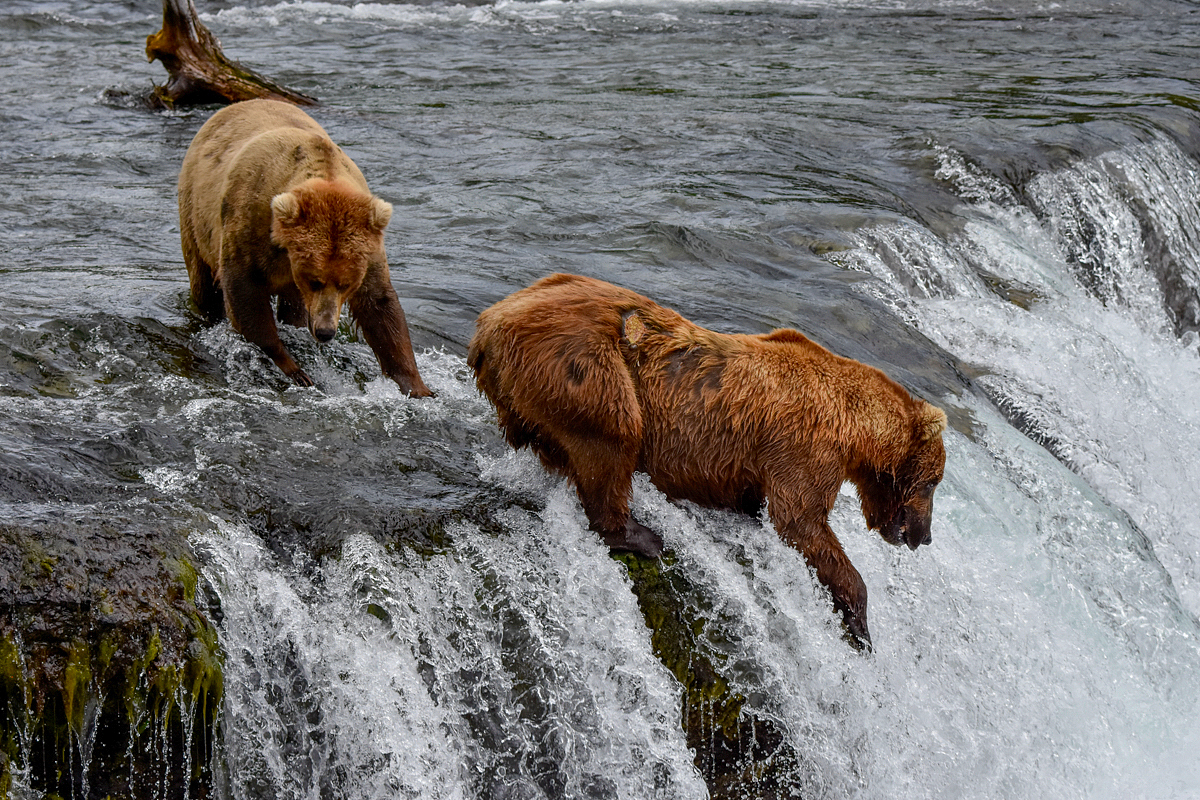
[996, 202]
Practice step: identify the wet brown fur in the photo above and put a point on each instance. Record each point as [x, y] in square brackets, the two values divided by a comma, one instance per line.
[600, 382]
[270, 207]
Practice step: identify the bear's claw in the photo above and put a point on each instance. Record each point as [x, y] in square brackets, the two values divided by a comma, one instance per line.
[856, 632]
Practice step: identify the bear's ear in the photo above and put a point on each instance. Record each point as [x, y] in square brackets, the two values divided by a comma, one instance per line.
[286, 208]
[381, 214]
[931, 421]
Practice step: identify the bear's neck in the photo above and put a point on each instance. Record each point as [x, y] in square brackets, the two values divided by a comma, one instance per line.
[880, 427]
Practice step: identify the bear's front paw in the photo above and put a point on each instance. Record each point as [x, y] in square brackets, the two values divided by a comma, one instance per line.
[420, 391]
[851, 601]
[410, 383]
[856, 631]
[300, 377]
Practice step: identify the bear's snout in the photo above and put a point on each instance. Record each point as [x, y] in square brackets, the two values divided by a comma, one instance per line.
[909, 527]
[324, 334]
[914, 527]
[915, 537]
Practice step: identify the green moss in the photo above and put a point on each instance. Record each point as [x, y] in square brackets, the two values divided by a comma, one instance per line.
[105, 652]
[185, 576]
[12, 667]
[37, 562]
[77, 683]
[739, 752]
[201, 674]
[148, 665]
[16, 698]
[156, 687]
[676, 634]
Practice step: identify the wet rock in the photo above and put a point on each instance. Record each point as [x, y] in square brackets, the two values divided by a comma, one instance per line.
[110, 672]
[739, 752]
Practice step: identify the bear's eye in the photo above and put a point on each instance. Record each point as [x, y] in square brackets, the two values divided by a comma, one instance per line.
[316, 285]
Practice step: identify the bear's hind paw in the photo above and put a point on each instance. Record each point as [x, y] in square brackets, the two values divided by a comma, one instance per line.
[636, 538]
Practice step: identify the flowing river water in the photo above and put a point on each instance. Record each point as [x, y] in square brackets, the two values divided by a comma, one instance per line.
[993, 200]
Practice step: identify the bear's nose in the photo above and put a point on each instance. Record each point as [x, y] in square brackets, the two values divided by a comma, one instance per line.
[323, 334]
[915, 537]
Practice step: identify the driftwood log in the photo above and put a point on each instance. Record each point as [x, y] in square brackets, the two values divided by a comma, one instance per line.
[199, 72]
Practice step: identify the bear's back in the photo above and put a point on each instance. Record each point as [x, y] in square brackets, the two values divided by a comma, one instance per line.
[281, 158]
[275, 146]
[244, 155]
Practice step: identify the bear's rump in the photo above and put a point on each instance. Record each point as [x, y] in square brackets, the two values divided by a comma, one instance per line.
[558, 381]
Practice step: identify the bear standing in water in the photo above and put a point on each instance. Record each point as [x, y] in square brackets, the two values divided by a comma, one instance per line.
[601, 382]
[270, 206]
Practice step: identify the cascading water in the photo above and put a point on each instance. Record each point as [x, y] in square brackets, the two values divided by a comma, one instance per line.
[516, 663]
[989, 200]
[1087, 364]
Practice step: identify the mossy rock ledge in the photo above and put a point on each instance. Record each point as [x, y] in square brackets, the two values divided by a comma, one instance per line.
[739, 752]
[110, 669]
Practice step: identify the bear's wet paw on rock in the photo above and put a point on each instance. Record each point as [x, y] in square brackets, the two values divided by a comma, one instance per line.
[636, 538]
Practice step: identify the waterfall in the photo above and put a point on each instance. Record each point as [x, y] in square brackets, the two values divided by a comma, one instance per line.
[517, 666]
[1047, 643]
[1076, 311]
[1076, 332]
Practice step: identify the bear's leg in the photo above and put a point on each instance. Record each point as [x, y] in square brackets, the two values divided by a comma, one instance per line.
[807, 530]
[824, 553]
[598, 499]
[377, 311]
[249, 310]
[206, 294]
[603, 474]
[290, 308]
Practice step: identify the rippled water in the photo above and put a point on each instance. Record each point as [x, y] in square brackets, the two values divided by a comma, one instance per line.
[995, 202]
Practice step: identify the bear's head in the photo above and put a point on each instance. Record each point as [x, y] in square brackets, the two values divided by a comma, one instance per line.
[332, 231]
[899, 504]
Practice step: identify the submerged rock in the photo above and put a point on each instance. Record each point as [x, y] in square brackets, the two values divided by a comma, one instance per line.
[110, 670]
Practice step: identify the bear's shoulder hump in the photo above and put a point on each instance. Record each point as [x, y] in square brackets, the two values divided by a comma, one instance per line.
[787, 336]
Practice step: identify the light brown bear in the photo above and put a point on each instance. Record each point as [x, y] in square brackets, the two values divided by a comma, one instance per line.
[270, 206]
[600, 381]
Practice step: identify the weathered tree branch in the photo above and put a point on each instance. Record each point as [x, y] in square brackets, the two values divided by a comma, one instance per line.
[199, 72]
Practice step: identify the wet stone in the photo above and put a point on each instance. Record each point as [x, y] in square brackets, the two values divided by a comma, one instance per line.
[110, 674]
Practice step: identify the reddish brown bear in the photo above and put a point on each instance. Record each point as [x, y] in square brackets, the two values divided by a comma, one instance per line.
[270, 207]
[600, 381]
